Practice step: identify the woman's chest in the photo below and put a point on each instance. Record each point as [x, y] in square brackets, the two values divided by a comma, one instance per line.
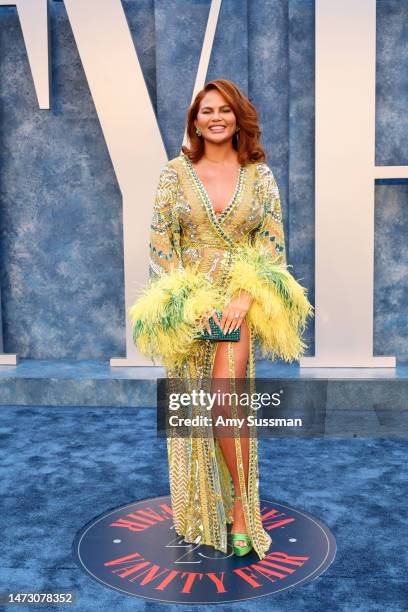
[220, 186]
[196, 205]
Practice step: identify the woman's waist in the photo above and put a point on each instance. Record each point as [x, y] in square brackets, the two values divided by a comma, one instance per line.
[214, 261]
[211, 246]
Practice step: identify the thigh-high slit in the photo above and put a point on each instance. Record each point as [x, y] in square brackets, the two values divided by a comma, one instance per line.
[202, 484]
[221, 381]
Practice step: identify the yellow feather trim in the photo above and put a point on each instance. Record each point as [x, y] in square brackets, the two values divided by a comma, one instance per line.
[164, 315]
[280, 307]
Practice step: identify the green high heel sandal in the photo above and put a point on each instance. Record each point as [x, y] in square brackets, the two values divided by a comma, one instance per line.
[240, 551]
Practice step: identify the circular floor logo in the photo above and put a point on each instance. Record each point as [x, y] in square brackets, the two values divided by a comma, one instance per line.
[134, 549]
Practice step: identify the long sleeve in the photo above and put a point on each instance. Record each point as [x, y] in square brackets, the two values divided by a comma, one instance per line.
[164, 242]
[280, 306]
[271, 232]
[164, 315]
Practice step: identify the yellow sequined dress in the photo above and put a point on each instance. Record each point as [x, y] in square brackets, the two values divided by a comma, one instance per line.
[198, 261]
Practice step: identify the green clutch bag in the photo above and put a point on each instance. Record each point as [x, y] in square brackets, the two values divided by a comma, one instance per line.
[216, 333]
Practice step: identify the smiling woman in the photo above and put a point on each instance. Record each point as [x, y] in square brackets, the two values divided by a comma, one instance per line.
[217, 243]
[217, 124]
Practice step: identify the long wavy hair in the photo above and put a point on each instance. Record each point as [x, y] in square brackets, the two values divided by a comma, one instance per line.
[246, 141]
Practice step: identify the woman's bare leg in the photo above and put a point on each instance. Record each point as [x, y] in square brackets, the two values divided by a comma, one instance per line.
[226, 442]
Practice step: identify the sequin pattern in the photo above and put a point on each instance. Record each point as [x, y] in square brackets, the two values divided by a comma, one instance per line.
[186, 232]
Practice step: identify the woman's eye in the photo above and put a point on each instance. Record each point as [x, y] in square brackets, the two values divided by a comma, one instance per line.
[225, 110]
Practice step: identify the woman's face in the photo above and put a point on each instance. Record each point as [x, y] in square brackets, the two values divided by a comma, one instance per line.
[215, 118]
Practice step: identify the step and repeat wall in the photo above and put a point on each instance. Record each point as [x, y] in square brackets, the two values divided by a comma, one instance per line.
[64, 180]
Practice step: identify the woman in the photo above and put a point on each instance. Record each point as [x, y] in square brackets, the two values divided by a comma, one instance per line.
[217, 245]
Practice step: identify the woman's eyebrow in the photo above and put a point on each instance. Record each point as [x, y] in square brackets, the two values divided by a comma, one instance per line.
[210, 107]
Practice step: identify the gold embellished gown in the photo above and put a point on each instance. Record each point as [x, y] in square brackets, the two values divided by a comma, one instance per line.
[200, 261]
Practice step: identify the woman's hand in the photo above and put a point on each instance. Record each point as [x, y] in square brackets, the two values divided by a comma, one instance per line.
[235, 312]
[204, 321]
[232, 316]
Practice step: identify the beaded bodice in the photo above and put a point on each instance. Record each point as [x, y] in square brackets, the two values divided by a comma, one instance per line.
[186, 231]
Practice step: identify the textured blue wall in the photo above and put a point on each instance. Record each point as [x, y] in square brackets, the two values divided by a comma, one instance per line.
[61, 251]
[391, 197]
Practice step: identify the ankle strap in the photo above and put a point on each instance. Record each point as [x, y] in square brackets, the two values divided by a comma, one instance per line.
[237, 497]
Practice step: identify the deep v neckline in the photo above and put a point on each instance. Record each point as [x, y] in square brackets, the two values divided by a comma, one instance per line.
[218, 218]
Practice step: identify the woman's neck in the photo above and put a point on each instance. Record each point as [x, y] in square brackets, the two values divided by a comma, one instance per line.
[219, 153]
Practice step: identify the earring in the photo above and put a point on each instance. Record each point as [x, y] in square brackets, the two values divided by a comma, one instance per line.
[198, 131]
[237, 129]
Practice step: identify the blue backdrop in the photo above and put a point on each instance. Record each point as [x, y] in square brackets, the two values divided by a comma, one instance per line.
[61, 250]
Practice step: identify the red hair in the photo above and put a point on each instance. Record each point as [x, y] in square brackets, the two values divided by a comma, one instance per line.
[247, 143]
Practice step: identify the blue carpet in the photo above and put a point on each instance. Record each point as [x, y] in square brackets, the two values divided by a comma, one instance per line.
[61, 466]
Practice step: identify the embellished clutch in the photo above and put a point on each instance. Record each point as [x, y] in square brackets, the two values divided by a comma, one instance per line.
[217, 335]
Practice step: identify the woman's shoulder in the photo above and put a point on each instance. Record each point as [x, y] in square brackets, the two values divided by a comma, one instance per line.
[262, 168]
[260, 171]
[170, 170]
[175, 162]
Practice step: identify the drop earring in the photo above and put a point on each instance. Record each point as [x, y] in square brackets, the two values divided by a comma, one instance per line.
[198, 131]
[236, 134]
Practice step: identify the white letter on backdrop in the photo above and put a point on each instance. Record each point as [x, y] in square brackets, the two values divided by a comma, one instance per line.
[345, 181]
[130, 128]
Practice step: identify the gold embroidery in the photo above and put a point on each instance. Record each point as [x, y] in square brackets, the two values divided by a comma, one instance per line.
[184, 234]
